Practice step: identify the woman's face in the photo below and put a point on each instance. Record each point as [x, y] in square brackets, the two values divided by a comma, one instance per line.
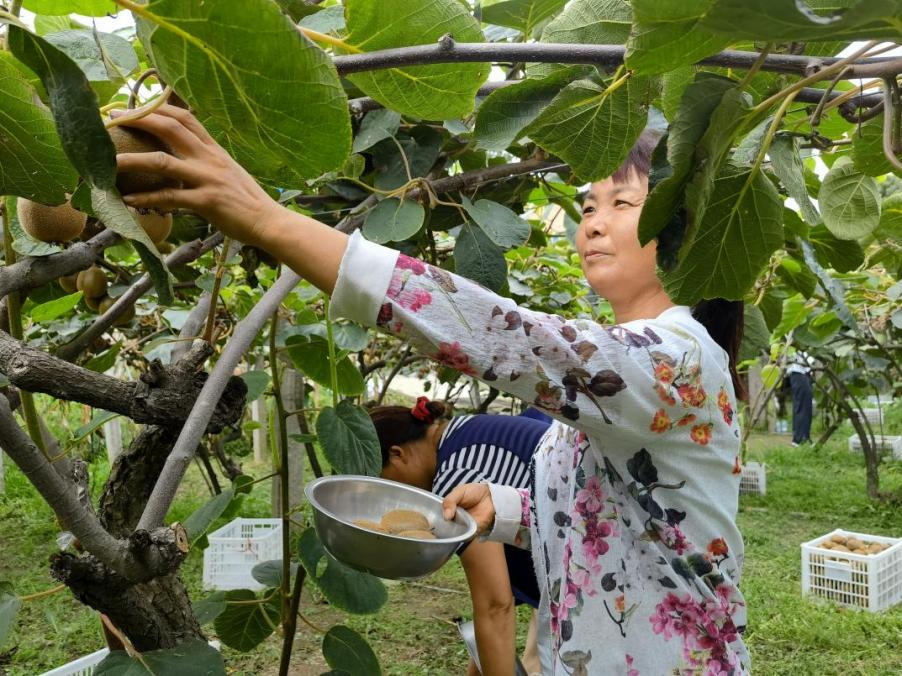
[616, 267]
[413, 463]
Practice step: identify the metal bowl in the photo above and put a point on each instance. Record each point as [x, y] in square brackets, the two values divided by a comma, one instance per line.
[339, 500]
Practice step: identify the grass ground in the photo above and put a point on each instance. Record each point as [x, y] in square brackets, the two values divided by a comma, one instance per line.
[808, 495]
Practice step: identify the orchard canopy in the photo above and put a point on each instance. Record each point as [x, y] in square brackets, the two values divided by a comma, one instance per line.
[459, 131]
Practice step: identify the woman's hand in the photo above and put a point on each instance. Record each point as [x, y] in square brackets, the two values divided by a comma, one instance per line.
[214, 185]
[477, 500]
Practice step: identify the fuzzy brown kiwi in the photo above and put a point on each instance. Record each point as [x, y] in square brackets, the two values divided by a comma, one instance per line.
[125, 318]
[165, 247]
[129, 140]
[93, 303]
[369, 525]
[399, 520]
[92, 283]
[50, 224]
[156, 225]
[69, 283]
[417, 534]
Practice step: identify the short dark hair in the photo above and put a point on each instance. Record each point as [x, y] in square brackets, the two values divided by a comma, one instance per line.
[639, 157]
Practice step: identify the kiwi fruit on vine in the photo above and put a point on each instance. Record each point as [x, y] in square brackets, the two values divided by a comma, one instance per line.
[50, 224]
[156, 225]
[130, 140]
[165, 247]
[92, 283]
[125, 318]
[69, 283]
[93, 303]
[93, 228]
[400, 520]
[417, 534]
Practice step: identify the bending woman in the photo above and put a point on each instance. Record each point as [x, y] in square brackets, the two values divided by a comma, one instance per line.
[631, 515]
[422, 449]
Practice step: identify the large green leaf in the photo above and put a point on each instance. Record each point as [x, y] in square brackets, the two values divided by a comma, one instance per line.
[524, 15]
[102, 57]
[312, 358]
[346, 650]
[890, 226]
[849, 201]
[722, 255]
[432, 92]
[667, 33]
[793, 20]
[420, 146]
[755, 334]
[479, 258]
[109, 208]
[244, 625]
[9, 606]
[591, 127]
[867, 149]
[32, 162]
[393, 220]
[699, 101]
[192, 658]
[209, 608]
[269, 573]
[345, 588]
[349, 439]
[843, 255]
[592, 22]
[83, 7]
[795, 312]
[376, 126]
[203, 517]
[503, 226]
[74, 104]
[257, 381]
[797, 276]
[787, 165]
[271, 96]
[505, 112]
[46, 312]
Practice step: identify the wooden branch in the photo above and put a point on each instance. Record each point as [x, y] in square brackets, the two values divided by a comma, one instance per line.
[162, 396]
[204, 408]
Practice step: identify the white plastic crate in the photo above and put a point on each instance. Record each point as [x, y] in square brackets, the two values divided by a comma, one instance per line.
[874, 416]
[83, 666]
[236, 548]
[893, 444]
[754, 479]
[869, 581]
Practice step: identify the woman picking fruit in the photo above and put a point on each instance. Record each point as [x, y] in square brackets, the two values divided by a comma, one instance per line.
[631, 511]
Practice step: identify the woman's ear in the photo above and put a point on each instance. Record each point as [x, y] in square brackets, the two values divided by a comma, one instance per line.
[397, 454]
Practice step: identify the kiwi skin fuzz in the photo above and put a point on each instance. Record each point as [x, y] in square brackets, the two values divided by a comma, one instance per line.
[69, 283]
[130, 140]
[92, 283]
[124, 319]
[50, 224]
[156, 225]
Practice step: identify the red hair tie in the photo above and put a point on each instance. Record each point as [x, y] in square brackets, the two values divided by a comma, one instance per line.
[421, 411]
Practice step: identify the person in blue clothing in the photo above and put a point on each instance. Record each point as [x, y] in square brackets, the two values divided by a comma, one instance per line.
[422, 448]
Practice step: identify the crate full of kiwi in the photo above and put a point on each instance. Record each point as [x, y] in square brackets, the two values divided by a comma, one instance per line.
[853, 569]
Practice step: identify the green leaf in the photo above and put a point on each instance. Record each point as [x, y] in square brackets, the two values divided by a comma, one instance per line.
[849, 201]
[797, 276]
[209, 608]
[421, 147]
[795, 312]
[506, 112]
[192, 658]
[593, 22]
[113, 213]
[52, 309]
[105, 360]
[269, 573]
[9, 606]
[792, 20]
[479, 258]
[393, 220]
[349, 440]
[722, 255]
[755, 334]
[350, 337]
[432, 92]
[843, 255]
[770, 376]
[100, 418]
[376, 126]
[592, 128]
[74, 104]
[700, 100]
[102, 57]
[257, 382]
[327, 20]
[825, 325]
[503, 226]
[523, 15]
[32, 162]
[244, 625]
[303, 438]
[202, 518]
[312, 358]
[667, 33]
[346, 650]
[83, 7]
[833, 287]
[276, 103]
[673, 86]
[867, 148]
[787, 165]
[346, 589]
[890, 226]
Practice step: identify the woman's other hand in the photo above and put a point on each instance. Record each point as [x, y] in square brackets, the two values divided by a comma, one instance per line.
[477, 500]
[214, 185]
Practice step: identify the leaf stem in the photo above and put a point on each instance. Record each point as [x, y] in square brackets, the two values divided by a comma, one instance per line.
[214, 294]
[43, 594]
[138, 113]
[333, 367]
[756, 66]
[316, 36]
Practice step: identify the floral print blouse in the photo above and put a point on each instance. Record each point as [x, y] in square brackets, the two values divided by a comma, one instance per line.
[631, 510]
